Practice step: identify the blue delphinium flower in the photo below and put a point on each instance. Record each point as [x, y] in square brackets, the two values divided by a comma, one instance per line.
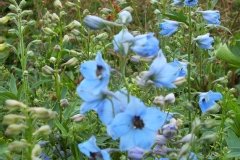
[191, 3]
[168, 27]
[182, 67]
[164, 74]
[146, 45]
[178, 3]
[207, 100]
[205, 41]
[92, 151]
[211, 16]
[135, 126]
[122, 41]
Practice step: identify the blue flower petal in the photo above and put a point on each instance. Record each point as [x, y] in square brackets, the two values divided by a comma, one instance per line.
[89, 146]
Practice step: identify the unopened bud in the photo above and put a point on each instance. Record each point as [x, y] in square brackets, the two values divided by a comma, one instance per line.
[48, 31]
[125, 17]
[57, 48]
[18, 146]
[71, 62]
[12, 119]
[73, 24]
[47, 70]
[77, 117]
[55, 17]
[10, 103]
[161, 140]
[170, 98]
[136, 153]
[101, 36]
[70, 4]
[26, 13]
[66, 39]
[15, 129]
[42, 131]
[57, 4]
[64, 103]
[36, 151]
[42, 113]
[209, 137]
[52, 60]
[4, 19]
[94, 22]
[159, 100]
[188, 138]
[75, 32]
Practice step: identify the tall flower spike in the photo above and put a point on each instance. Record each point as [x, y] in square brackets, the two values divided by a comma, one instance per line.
[146, 45]
[168, 27]
[211, 16]
[134, 126]
[191, 3]
[205, 41]
[208, 99]
[122, 41]
[92, 151]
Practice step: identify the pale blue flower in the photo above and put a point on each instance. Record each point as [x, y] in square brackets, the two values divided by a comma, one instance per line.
[122, 41]
[164, 74]
[146, 45]
[191, 3]
[92, 151]
[182, 67]
[211, 16]
[136, 153]
[178, 3]
[205, 41]
[168, 27]
[135, 126]
[208, 99]
[125, 17]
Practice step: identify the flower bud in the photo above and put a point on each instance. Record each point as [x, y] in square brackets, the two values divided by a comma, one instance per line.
[48, 31]
[101, 36]
[42, 131]
[57, 48]
[94, 22]
[77, 117]
[136, 153]
[161, 140]
[15, 129]
[70, 4]
[10, 103]
[42, 113]
[73, 24]
[52, 60]
[47, 70]
[188, 138]
[71, 62]
[30, 53]
[170, 98]
[66, 39]
[12, 119]
[185, 148]
[26, 13]
[57, 4]
[209, 137]
[159, 100]
[169, 130]
[125, 17]
[55, 17]
[36, 151]
[64, 103]
[75, 32]
[62, 13]
[161, 150]
[196, 124]
[210, 123]
[18, 146]
[4, 19]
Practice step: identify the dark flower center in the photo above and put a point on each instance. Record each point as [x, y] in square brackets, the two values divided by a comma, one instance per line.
[99, 70]
[95, 155]
[138, 122]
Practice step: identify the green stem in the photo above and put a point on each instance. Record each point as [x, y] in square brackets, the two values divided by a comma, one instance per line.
[189, 62]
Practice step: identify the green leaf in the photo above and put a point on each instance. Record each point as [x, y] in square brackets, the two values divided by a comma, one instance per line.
[229, 54]
[61, 128]
[233, 142]
[7, 95]
[177, 16]
[12, 85]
